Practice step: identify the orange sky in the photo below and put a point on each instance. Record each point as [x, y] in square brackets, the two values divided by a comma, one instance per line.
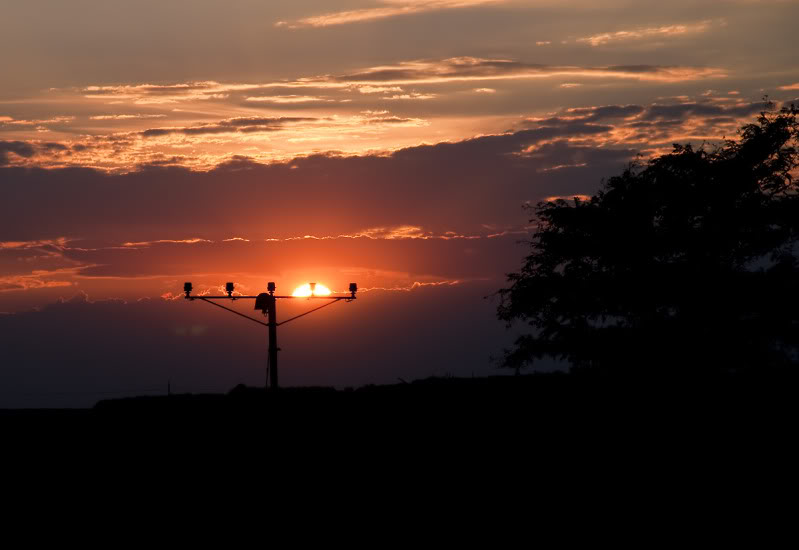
[389, 142]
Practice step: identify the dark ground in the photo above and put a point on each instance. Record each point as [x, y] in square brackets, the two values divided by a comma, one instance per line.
[539, 398]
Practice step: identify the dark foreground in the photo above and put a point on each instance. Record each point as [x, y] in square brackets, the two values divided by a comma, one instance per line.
[540, 399]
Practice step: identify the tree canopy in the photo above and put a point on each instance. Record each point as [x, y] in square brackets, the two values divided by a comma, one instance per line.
[687, 261]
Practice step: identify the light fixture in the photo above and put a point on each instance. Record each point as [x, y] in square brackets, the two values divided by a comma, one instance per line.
[262, 302]
[229, 289]
[353, 289]
[187, 289]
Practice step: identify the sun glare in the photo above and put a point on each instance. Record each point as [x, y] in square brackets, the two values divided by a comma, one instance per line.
[311, 289]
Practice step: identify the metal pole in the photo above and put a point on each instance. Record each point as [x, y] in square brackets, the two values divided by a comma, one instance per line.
[266, 303]
[272, 312]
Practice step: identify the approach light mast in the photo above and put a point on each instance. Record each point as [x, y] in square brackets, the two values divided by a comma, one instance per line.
[266, 302]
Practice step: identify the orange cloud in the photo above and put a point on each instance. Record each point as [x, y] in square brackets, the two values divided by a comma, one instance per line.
[412, 286]
[170, 241]
[290, 99]
[378, 89]
[232, 125]
[7, 245]
[154, 94]
[649, 32]
[412, 95]
[382, 79]
[391, 8]
[38, 279]
[475, 69]
[11, 122]
[126, 117]
[562, 166]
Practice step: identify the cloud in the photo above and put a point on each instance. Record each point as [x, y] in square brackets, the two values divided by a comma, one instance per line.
[155, 94]
[232, 125]
[31, 152]
[473, 69]
[12, 124]
[412, 95]
[450, 211]
[394, 120]
[605, 112]
[203, 135]
[418, 256]
[650, 129]
[378, 89]
[8, 245]
[54, 147]
[390, 78]
[290, 99]
[19, 148]
[447, 186]
[26, 151]
[243, 126]
[383, 78]
[126, 117]
[647, 32]
[36, 265]
[38, 279]
[442, 187]
[790, 87]
[390, 8]
[144, 244]
[657, 117]
[278, 139]
[683, 110]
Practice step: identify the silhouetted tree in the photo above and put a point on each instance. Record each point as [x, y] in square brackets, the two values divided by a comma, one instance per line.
[686, 261]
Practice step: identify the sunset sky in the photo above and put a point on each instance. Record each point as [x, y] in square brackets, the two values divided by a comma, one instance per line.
[388, 142]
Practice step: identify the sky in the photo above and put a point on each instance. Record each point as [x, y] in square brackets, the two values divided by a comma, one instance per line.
[392, 143]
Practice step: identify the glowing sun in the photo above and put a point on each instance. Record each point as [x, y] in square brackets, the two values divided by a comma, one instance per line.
[311, 289]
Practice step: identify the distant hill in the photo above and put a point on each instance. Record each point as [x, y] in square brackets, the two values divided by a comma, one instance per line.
[540, 401]
[572, 394]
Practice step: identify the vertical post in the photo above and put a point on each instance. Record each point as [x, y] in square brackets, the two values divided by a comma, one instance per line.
[272, 312]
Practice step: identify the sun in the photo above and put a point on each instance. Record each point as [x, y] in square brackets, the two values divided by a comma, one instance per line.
[311, 289]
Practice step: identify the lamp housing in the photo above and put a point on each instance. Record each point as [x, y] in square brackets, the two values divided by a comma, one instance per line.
[262, 302]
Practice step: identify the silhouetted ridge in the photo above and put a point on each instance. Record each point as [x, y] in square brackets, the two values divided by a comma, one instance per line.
[468, 398]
